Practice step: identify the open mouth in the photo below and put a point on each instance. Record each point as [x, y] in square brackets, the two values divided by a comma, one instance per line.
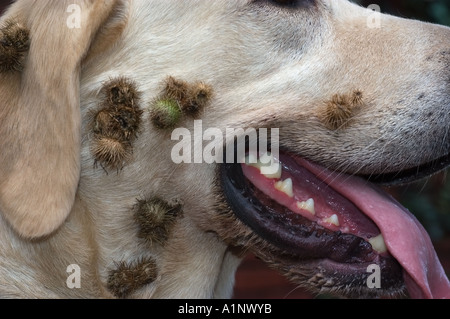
[340, 224]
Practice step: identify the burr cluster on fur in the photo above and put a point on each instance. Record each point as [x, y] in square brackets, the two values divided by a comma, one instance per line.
[156, 219]
[117, 123]
[127, 278]
[177, 99]
[14, 44]
[338, 112]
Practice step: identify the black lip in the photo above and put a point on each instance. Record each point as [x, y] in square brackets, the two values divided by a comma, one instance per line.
[410, 175]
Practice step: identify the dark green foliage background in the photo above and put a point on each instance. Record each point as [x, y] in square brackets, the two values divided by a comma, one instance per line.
[436, 11]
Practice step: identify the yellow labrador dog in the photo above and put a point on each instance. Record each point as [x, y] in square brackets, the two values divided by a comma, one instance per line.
[122, 173]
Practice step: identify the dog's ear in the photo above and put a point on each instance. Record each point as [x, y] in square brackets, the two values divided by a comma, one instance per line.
[43, 45]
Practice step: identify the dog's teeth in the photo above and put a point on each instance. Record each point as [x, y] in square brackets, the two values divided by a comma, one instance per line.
[378, 244]
[275, 168]
[266, 158]
[270, 167]
[267, 165]
[333, 219]
[307, 205]
[286, 187]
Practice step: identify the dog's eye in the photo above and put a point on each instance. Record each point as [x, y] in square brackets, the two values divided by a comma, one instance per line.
[293, 4]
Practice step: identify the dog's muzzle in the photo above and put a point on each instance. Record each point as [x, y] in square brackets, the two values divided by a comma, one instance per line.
[340, 223]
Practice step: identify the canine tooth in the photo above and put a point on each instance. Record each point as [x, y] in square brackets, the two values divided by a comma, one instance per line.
[286, 187]
[269, 166]
[333, 219]
[266, 158]
[378, 244]
[273, 171]
[307, 205]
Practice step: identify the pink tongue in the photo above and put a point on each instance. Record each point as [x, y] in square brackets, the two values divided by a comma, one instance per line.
[405, 237]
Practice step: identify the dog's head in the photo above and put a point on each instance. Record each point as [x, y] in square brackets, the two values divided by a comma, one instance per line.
[348, 98]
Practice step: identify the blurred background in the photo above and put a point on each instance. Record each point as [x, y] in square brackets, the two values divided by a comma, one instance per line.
[428, 200]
